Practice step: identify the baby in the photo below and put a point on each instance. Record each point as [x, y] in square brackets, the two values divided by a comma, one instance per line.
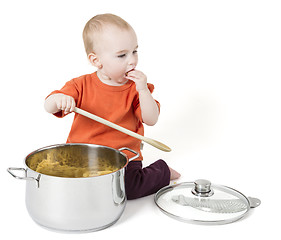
[118, 92]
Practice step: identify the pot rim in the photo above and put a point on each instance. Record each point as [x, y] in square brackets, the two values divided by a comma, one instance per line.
[73, 144]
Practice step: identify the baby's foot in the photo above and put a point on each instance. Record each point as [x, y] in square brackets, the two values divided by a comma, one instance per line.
[174, 174]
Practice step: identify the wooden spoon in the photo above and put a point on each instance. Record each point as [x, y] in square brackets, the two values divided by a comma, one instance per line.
[150, 141]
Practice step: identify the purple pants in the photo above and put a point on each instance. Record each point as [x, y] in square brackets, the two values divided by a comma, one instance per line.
[140, 182]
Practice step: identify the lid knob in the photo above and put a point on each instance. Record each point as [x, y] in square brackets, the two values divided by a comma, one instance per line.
[202, 188]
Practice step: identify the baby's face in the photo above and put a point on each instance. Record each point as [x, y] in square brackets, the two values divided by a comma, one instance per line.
[117, 52]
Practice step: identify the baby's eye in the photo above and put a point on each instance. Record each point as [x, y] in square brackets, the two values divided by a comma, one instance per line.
[136, 51]
[121, 56]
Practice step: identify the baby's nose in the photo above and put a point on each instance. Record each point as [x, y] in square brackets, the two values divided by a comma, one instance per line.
[133, 61]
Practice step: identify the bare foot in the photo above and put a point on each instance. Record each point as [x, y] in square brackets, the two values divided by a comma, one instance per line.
[174, 174]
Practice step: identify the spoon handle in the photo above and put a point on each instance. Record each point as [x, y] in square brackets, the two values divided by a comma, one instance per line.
[150, 141]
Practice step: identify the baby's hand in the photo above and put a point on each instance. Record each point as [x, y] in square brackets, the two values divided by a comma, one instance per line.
[139, 78]
[64, 102]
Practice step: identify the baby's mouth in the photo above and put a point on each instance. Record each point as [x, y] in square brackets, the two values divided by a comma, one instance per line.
[126, 74]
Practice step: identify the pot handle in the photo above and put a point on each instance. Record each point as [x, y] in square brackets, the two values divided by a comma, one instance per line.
[11, 169]
[118, 189]
[130, 150]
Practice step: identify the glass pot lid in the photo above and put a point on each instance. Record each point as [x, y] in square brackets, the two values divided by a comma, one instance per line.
[203, 203]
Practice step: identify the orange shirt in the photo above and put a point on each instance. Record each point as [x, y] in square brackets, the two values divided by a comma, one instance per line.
[118, 104]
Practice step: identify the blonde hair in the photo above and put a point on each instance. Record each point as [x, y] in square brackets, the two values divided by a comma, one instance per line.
[95, 26]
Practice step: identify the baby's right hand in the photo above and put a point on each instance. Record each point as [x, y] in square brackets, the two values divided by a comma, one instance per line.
[64, 102]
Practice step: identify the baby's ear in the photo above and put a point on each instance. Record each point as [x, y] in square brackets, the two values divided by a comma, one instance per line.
[94, 60]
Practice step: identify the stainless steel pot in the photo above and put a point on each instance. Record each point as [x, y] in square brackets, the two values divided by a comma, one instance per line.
[75, 204]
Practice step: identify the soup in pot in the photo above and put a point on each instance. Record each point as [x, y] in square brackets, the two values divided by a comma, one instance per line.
[72, 163]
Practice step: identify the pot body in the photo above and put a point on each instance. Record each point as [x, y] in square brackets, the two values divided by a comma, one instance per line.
[84, 204]
[76, 204]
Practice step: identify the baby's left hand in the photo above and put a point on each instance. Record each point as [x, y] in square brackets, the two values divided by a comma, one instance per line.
[139, 78]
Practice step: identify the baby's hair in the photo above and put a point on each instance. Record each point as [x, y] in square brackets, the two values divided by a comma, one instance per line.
[95, 26]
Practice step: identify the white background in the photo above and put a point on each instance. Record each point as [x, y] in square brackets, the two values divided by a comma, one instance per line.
[216, 70]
